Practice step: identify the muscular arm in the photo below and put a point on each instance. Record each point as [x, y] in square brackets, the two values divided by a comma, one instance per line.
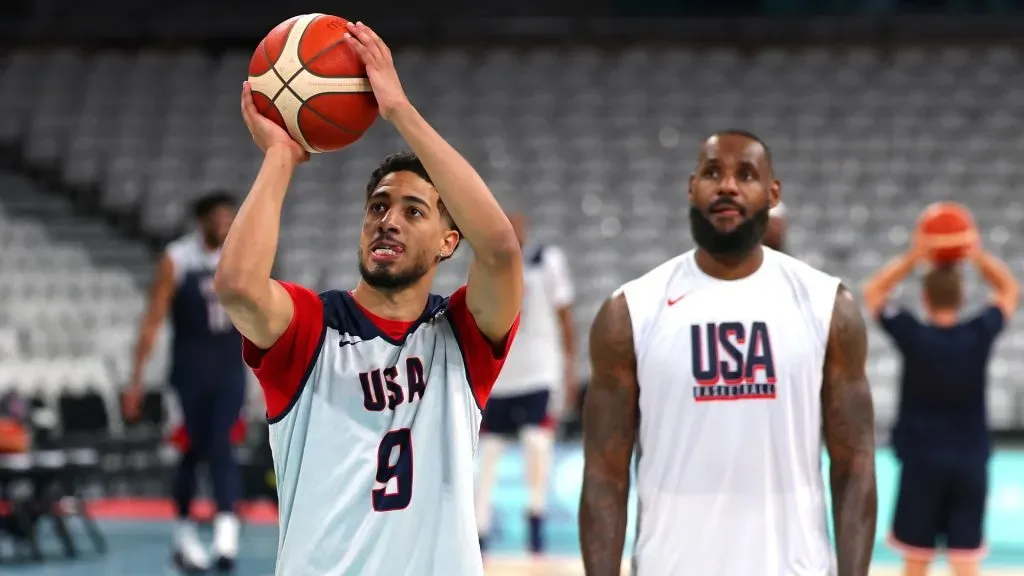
[494, 290]
[1005, 287]
[849, 427]
[258, 306]
[161, 291]
[609, 432]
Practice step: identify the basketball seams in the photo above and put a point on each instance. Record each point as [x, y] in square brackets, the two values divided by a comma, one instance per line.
[306, 106]
[273, 68]
[290, 108]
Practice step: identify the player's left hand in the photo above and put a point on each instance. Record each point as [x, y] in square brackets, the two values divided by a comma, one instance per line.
[380, 68]
[975, 249]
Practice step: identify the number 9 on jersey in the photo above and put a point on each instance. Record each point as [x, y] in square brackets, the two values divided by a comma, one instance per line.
[394, 465]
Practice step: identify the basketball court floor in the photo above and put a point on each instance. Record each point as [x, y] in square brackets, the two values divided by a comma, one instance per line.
[140, 548]
[139, 532]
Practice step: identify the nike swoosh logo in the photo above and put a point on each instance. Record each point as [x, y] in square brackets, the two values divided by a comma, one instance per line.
[674, 301]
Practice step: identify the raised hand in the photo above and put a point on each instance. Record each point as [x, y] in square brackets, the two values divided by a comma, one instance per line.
[265, 132]
[380, 68]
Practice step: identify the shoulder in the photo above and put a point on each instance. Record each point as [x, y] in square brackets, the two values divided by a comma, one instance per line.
[551, 253]
[847, 327]
[482, 358]
[182, 247]
[183, 254]
[611, 335]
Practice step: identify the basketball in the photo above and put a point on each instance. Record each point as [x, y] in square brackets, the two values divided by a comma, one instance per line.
[306, 79]
[948, 228]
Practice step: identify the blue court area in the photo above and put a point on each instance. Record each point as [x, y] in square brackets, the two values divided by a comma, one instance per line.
[141, 548]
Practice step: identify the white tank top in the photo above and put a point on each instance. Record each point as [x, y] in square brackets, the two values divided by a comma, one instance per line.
[536, 360]
[729, 447]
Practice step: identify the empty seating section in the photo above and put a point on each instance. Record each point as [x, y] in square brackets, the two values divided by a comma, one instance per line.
[70, 296]
[595, 145]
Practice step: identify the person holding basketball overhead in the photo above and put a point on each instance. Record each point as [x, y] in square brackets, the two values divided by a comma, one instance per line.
[374, 394]
[941, 435]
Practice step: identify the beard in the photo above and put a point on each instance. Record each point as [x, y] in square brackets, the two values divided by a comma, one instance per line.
[384, 279]
[738, 242]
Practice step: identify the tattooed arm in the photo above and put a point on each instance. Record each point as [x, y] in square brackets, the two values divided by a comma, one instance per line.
[609, 431]
[849, 425]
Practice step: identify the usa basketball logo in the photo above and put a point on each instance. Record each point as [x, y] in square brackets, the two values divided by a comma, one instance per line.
[732, 361]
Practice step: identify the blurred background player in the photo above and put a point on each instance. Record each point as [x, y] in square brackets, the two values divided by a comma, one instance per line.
[724, 459]
[207, 374]
[526, 399]
[941, 435]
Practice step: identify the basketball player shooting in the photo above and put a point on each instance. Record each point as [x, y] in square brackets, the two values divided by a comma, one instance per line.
[729, 447]
[207, 376]
[374, 395]
[942, 435]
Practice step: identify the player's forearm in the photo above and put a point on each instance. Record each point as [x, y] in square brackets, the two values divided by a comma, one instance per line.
[854, 512]
[878, 287]
[465, 194]
[602, 520]
[995, 272]
[568, 336]
[143, 348]
[247, 257]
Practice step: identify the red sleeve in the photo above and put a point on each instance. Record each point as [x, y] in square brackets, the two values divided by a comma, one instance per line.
[281, 369]
[483, 358]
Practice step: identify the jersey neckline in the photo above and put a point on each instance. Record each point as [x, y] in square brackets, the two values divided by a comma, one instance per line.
[395, 330]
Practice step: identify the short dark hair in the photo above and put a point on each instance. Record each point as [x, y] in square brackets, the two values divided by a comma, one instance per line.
[943, 287]
[405, 161]
[750, 136]
[207, 203]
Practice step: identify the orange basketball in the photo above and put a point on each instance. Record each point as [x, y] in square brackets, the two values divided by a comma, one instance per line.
[13, 437]
[948, 229]
[308, 80]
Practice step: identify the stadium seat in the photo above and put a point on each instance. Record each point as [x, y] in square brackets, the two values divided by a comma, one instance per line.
[595, 145]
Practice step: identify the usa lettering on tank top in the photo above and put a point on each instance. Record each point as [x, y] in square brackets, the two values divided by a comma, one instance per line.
[205, 344]
[373, 429]
[729, 444]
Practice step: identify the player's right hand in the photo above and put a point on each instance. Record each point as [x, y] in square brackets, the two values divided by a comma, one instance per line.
[267, 134]
[919, 247]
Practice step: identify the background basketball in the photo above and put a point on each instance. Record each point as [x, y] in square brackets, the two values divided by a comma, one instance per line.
[950, 225]
[307, 79]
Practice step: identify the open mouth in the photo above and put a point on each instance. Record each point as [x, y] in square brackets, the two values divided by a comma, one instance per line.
[386, 250]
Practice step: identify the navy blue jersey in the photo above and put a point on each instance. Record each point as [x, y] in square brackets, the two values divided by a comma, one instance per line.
[943, 411]
[206, 347]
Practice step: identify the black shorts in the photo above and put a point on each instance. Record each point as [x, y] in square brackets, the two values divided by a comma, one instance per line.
[507, 416]
[940, 505]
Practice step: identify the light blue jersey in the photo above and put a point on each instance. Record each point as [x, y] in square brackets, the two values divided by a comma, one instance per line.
[373, 427]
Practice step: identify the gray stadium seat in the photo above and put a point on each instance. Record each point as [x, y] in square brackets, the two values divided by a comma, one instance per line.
[595, 145]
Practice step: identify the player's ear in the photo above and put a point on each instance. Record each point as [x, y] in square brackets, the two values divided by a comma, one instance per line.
[774, 194]
[449, 243]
